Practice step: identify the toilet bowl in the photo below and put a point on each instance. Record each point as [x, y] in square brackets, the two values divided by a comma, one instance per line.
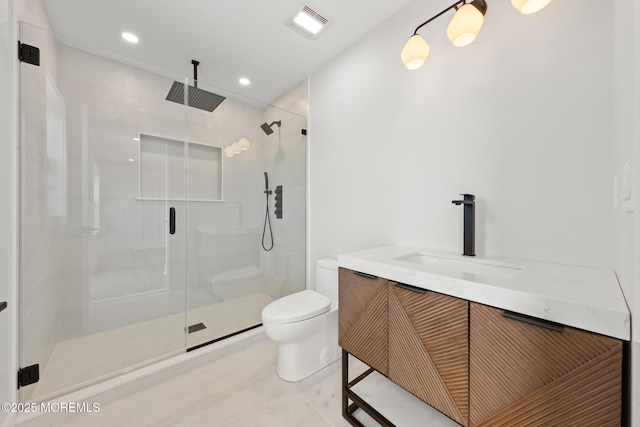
[305, 325]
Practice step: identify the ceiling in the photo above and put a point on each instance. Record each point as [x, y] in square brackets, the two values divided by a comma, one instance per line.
[230, 38]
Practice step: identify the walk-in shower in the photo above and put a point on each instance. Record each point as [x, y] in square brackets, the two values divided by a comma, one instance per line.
[139, 239]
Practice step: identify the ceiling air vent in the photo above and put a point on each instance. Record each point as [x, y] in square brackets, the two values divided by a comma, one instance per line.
[312, 13]
[309, 19]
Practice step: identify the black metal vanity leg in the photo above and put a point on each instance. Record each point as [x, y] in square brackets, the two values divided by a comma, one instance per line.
[358, 402]
[345, 382]
[347, 410]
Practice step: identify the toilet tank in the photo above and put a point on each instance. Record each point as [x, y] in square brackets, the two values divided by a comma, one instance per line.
[327, 278]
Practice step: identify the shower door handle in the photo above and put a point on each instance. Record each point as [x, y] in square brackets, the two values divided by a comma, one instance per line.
[172, 220]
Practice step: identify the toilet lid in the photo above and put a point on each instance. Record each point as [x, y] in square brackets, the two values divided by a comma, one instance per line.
[296, 307]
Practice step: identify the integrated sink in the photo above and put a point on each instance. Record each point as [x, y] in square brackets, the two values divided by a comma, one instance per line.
[454, 267]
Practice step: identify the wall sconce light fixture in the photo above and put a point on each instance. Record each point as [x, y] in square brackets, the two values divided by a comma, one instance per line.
[462, 30]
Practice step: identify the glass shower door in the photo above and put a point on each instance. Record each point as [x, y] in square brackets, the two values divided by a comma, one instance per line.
[102, 272]
[239, 259]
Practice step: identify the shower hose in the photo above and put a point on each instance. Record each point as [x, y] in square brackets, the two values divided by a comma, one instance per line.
[267, 220]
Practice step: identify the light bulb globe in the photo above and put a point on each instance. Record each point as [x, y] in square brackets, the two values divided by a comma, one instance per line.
[465, 25]
[244, 144]
[415, 52]
[527, 7]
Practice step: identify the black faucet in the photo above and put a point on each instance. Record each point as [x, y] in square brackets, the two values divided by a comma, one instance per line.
[469, 223]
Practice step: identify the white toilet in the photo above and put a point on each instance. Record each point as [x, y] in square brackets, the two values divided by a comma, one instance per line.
[305, 325]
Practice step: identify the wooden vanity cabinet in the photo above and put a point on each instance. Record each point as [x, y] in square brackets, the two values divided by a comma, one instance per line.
[479, 365]
[527, 374]
[429, 348]
[362, 318]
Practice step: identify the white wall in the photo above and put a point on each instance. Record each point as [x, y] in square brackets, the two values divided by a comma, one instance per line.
[8, 193]
[623, 138]
[534, 117]
[521, 118]
[625, 147]
[635, 303]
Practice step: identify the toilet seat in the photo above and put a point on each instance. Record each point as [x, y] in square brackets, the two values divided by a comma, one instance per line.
[296, 307]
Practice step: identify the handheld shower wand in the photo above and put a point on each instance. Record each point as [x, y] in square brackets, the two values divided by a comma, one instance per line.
[267, 192]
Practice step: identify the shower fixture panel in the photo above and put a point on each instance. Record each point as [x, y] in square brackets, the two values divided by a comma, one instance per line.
[278, 200]
[197, 98]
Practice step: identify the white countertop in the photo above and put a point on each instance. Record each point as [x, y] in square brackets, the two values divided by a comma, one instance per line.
[581, 297]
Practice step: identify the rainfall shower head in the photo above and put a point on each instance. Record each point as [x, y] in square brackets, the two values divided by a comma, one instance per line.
[268, 128]
[198, 98]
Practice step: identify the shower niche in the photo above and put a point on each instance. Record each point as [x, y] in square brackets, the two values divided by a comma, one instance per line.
[162, 166]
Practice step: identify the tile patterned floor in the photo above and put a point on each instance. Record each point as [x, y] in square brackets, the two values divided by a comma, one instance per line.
[83, 360]
[243, 390]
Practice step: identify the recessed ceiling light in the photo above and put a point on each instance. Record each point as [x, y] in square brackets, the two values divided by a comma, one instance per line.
[131, 38]
[131, 160]
[136, 139]
[244, 81]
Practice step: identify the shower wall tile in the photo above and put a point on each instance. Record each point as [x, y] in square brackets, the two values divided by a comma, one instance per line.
[74, 139]
[130, 173]
[111, 181]
[74, 177]
[112, 76]
[110, 144]
[153, 183]
[109, 109]
[71, 295]
[133, 218]
[70, 261]
[155, 215]
[73, 221]
[115, 283]
[112, 216]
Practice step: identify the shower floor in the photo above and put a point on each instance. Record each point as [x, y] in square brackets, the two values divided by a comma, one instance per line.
[78, 362]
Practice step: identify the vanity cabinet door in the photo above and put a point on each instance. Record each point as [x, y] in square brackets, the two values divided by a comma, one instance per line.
[525, 374]
[362, 319]
[429, 348]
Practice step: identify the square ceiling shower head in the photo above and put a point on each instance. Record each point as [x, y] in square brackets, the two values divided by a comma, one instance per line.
[198, 98]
